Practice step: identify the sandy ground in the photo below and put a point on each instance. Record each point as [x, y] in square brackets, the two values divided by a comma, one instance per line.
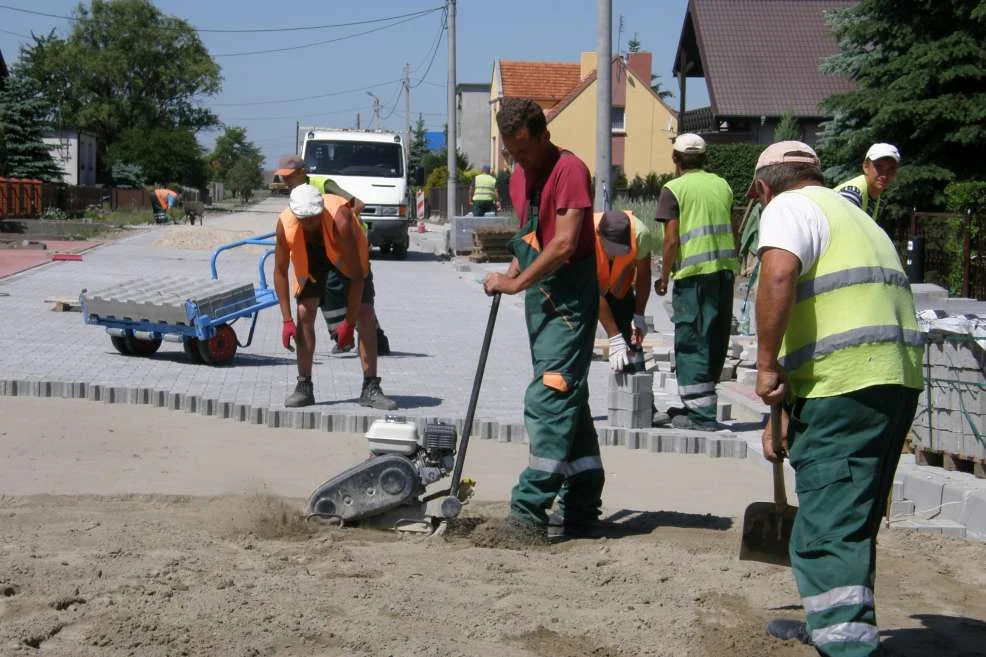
[201, 238]
[138, 531]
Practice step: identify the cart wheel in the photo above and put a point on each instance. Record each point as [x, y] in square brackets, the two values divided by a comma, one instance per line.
[191, 347]
[120, 345]
[220, 348]
[138, 347]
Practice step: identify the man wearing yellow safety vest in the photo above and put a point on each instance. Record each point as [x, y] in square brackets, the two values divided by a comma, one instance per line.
[483, 195]
[879, 170]
[623, 250]
[839, 347]
[700, 254]
[320, 238]
[291, 169]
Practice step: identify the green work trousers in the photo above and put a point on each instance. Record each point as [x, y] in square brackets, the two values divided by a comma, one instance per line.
[844, 451]
[703, 314]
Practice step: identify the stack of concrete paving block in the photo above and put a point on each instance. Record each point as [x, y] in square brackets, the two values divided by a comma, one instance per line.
[163, 300]
[952, 408]
[631, 400]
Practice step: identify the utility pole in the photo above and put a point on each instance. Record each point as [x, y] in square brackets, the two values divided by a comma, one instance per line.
[376, 109]
[604, 103]
[357, 120]
[453, 176]
[297, 134]
[407, 115]
[619, 36]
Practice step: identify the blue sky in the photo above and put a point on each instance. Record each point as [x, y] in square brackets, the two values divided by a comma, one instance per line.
[486, 30]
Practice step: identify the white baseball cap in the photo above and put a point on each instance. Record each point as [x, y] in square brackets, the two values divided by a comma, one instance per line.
[306, 201]
[882, 150]
[689, 143]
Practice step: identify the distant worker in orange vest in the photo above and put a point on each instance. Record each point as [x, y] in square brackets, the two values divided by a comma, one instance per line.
[163, 200]
[623, 254]
[291, 169]
[320, 238]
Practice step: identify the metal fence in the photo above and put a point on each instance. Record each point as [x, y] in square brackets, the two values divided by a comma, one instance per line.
[947, 249]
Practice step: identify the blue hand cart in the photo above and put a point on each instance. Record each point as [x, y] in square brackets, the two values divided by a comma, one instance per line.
[140, 314]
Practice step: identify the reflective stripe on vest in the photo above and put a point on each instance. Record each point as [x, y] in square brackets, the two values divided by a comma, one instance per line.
[705, 230]
[616, 278]
[859, 182]
[295, 237]
[485, 188]
[853, 324]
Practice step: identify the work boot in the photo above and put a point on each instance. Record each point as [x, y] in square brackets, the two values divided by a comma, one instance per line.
[787, 629]
[558, 527]
[303, 395]
[688, 422]
[373, 396]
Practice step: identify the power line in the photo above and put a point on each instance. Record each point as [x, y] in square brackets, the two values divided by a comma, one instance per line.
[16, 34]
[246, 30]
[327, 41]
[434, 52]
[292, 116]
[393, 107]
[298, 100]
[438, 38]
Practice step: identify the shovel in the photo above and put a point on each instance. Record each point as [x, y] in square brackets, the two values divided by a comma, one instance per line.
[767, 525]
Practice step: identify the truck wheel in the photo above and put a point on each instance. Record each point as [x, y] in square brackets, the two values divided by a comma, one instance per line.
[220, 348]
[139, 347]
[400, 251]
[191, 347]
[120, 345]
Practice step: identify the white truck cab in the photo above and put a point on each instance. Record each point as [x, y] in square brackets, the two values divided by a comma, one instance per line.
[369, 164]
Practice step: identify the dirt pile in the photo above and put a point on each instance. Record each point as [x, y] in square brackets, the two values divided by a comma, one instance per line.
[202, 238]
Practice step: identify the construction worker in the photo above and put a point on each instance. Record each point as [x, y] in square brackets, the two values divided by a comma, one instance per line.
[879, 170]
[839, 347]
[320, 238]
[163, 201]
[554, 265]
[291, 169]
[700, 254]
[623, 251]
[483, 194]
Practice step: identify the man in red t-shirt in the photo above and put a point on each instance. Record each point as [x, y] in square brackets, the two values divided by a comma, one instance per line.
[555, 264]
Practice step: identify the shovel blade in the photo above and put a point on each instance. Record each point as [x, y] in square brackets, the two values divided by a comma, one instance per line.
[767, 533]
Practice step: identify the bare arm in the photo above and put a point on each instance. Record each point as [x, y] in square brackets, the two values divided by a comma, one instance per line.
[775, 299]
[568, 223]
[282, 287]
[350, 257]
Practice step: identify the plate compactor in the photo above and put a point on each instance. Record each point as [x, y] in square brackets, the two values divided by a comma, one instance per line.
[388, 490]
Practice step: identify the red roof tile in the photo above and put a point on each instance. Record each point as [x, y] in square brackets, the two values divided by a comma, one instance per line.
[545, 81]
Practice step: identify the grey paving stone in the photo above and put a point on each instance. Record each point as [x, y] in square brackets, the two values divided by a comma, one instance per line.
[925, 489]
[901, 509]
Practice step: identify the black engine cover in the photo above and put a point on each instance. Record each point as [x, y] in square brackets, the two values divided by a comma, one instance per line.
[367, 489]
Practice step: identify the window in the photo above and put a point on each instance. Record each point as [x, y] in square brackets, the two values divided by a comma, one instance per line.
[616, 119]
[354, 158]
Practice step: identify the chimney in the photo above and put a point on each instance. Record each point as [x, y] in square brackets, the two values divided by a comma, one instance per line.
[588, 64]
[640, 64]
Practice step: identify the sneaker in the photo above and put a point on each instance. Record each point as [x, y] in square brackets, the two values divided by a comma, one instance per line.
[688, 422]
[383, 344]
[520, 533]
[303, 395]
[373, 396]
[559, 528]
[787, 629]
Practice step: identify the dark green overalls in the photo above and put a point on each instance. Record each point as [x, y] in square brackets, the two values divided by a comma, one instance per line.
[561, 310]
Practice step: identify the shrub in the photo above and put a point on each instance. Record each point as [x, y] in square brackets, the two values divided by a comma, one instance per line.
[735, 163]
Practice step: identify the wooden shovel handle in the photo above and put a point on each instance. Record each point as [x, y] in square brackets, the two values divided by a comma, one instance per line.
[780, 494]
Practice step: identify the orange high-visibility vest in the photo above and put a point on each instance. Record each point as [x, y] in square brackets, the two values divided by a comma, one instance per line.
[295, 237]
[162, 197]
[617, 279]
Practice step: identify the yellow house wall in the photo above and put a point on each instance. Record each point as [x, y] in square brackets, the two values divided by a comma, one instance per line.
[574, 128]
[650, 126]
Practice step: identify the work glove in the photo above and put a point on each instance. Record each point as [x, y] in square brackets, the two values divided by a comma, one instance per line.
[345, 334]
[288, 331]
[640, 324]
[618, 359]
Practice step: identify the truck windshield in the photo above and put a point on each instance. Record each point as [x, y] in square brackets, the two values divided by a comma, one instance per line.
[354, 158]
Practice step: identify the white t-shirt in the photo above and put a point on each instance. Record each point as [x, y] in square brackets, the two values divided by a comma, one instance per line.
[795, 223]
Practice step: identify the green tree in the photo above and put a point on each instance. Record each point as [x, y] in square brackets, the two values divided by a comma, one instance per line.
[126, 174]
[735, 163]
[124, 65]
[244, 177]
[920, 83]
[633, 45]
[418, 148]
[232, 146]
[787, 128]
[164, 154]
[23, 153]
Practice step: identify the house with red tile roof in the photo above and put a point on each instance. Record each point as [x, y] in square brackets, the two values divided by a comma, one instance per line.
[759, 58]
[642, 123]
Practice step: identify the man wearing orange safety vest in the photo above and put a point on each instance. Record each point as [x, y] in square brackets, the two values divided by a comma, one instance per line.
[623, 254]
[162, 201]
[320, 238]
